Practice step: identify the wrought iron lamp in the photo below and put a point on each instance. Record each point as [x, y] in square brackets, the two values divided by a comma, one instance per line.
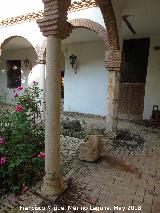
[73, 62]
[27, 63]
[157, 47]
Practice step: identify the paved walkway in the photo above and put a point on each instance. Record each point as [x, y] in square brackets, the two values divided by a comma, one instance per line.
[125, 179]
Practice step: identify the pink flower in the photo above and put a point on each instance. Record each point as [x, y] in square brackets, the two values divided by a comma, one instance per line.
[2, 161]
[16, 95]
[20, 88]
[19, 108]
[1, 140]
[41, 155]
[35, 82]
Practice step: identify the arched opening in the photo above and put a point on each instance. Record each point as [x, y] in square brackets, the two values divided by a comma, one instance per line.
[94, 26]
[109, 18]
[85, 88]
[17, 62]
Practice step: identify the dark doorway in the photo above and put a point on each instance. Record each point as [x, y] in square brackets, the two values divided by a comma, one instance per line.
[133, 77]
[13, 73]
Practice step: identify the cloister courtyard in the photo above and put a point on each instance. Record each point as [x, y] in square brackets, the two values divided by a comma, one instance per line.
[79, 106]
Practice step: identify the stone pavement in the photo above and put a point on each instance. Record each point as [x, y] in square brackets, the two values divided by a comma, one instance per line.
[125, 179]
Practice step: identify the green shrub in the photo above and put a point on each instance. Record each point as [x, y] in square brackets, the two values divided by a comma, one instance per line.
[21, 141]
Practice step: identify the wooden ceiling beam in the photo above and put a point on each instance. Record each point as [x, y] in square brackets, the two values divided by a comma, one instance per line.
[125, 19]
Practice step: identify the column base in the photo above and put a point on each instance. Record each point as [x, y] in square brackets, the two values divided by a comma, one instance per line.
[52, 187]
[111, 125]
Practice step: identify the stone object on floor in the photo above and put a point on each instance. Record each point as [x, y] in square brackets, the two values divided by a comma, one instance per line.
[91, 149]
[71, 125]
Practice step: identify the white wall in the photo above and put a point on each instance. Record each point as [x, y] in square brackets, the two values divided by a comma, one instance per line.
[93, 14]
[152, 89]
[86, 91]
[27, 76]
[28, 30]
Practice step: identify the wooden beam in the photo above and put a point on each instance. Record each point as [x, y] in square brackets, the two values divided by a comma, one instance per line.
[128, 23]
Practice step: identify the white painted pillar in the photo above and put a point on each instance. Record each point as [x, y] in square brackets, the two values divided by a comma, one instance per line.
[52, 181]
[41, 69]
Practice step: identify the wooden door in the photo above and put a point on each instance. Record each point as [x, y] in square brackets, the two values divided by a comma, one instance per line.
[132, 101]
[133, 78]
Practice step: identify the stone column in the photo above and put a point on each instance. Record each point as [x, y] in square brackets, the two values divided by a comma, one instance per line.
[55, 27]
[113, 65]
[52, 180]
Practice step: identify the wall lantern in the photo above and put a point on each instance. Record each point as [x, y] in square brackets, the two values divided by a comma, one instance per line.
[73, 62]
[27, 63]
[157, 47]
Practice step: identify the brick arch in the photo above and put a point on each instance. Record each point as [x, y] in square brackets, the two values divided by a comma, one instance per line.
[78, 23]
[4, 43]
[91, 25]
[110, 22]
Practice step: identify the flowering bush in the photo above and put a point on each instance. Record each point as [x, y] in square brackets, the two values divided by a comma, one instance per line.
[2, 160]
[20, 88]
[21, 141]
[41, 155]
[1, 141]
[19, 108]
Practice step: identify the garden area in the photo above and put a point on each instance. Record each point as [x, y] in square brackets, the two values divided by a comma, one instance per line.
[22, 136]
[21, 141]
[121, 159]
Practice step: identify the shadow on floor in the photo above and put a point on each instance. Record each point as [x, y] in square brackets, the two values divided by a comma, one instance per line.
[116, 163]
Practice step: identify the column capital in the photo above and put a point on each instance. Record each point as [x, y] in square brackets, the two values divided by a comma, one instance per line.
[113, 60]
[55, 19]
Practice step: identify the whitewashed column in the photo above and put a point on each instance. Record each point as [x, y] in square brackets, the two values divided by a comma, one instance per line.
[41, 67]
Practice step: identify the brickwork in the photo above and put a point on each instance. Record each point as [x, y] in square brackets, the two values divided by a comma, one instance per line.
[106, 9]
[109, 36]
[80, 5]
[75, 6]
[113, 60]
[55, 16]
[112, 57]
[110, 22]
[91, 25]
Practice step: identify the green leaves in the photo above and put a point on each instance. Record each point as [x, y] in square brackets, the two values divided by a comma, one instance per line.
[24, 140]
[22, 165]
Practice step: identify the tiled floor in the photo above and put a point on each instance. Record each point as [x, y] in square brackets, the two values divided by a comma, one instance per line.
[123, 180]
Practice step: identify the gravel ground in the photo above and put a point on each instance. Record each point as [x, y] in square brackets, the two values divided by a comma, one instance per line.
[127, 175]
